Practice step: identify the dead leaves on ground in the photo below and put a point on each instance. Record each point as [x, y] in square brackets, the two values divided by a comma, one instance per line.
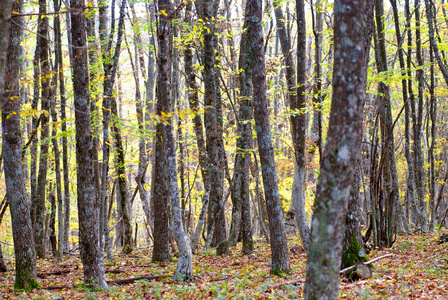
[417, 270]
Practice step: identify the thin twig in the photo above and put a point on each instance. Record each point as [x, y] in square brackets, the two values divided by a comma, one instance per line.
[366, 263]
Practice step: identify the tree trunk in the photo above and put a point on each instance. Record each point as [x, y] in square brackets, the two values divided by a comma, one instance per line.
[353, 246]
[184, 263]
[161, 251]
[344, 134]
[110, 65]
[19, 202]
[409, 157]
[298, 128]
[207, 10]
[432, 172]
[141, 114]
[3, 267]
[193, 101]
[54, 117]
[88, 213]
[419, 160]
[279, 246]
[39, 201]
[395, 219]
[241, 197]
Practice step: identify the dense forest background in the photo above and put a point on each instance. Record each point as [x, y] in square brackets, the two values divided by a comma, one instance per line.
[178, 127]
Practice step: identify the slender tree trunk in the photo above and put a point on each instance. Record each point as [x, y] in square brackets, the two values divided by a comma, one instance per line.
[298, 127]
[409, 157]
[58, 69]
[141, 114]
[241, 197]
[19, 202]
[122, 182]
[88, 213]
[316, 125]
[184, 263]
[344, 134]
[419, 175]
[207, 10]
[161, 250]
[279, 246]
[394, 209]
[193, 100]
[39, 201]
[433, 116]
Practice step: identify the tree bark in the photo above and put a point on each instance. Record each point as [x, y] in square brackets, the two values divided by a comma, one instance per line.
[419, 160]
[298, 128]
[193, 101]
[19, 202]
[241, 197]
[409, 157]
[88, 213]
[39, 200]
[353, 250]
[344, 134]
[161, 250]
[207, 10]
[57, 155]
[279, 246]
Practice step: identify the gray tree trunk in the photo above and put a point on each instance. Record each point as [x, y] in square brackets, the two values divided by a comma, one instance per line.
[40, 196]
[241, 216]
[193, 101]
[344, 134]
[279, 246]
[208, 11]
[409, 157]
[88, 212]
[298, 128]
[54, 116]
[20, 204]
[353, 250]
[417, 112]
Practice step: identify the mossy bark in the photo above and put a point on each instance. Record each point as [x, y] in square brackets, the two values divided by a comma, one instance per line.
[353, 253]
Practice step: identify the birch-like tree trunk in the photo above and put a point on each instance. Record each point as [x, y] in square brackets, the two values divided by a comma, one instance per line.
[344, 134]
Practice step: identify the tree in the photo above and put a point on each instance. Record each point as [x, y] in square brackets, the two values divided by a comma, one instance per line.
[279, 246]
[19, 201]
[241, 216]
[39, 210]
[353, 250]
[208, 11]
[88, 213]
[336, 173]
[298, 127]
[161, 195]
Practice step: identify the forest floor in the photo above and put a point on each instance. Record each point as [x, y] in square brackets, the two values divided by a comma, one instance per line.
[412, 272]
